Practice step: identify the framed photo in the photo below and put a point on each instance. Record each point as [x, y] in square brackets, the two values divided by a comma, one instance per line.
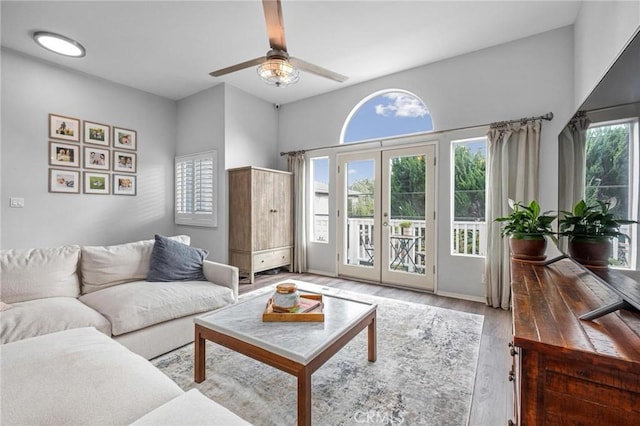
[61, 180]
[124, 139]
[65, 128]
[96, 183]
[64, 154]
[97, 134]
[124, 184]
[124, 161]
[96, 158]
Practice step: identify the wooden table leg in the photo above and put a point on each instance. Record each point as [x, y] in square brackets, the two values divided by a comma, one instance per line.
[304, 397]
[199, 358]
[372, 339]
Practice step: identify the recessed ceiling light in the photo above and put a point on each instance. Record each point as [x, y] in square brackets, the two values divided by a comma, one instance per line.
[59, 44]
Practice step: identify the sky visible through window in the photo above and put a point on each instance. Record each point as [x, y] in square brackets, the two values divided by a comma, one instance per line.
[392, 113]
[386, 115]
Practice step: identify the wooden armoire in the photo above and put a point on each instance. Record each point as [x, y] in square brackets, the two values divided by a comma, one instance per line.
[260, 219]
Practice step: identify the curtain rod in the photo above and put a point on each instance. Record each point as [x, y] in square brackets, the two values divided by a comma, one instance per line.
[548, 116]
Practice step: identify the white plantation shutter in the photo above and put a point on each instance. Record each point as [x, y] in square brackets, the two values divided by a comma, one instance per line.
[196, 189]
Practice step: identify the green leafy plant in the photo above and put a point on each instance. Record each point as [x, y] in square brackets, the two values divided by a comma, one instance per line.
[593, 221]
[405, 224]
[526, 221]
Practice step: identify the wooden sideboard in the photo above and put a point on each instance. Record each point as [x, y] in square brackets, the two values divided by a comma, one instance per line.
[568, 371]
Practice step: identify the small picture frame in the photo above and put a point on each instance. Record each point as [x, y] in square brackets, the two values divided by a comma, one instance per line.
[124, 161]
[97, 158]
[64, 154]
[124, 184]
[65, 128]
[125, 139]
[96, 183]
[97, 134]
[67, 181]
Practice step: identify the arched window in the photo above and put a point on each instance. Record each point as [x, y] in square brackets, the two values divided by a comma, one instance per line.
[385, 114]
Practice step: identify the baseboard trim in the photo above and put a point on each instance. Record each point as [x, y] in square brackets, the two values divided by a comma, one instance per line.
[462, 296]
[323, 273]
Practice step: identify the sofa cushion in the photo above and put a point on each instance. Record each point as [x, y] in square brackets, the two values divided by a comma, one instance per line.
[29, 274]
[79, 377]
[190, 409]
[106, 266]
[174, 261]
[140, 304]
[43, 316]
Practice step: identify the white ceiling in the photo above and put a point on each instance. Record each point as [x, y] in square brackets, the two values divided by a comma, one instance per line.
[169, 47]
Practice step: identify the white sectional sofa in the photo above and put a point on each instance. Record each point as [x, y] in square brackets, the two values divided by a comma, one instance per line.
[82, 377]
[49, 290]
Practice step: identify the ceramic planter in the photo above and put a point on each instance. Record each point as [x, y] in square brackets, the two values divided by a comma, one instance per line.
[530, 247]
[592, 252]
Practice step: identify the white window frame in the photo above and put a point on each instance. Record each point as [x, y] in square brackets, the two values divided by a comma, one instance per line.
[197, 218]
[312, 204]
[634, 185]
[482, 231]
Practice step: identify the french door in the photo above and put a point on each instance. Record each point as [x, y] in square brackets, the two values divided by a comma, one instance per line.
[386, 216]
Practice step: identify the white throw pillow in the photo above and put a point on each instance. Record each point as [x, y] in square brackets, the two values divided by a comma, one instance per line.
[106, 266]
[29, 274]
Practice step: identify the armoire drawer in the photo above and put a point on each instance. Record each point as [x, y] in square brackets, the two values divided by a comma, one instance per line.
[271, 259]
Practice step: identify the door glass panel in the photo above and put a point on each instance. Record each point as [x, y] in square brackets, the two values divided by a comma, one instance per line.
[361, 200]
[407, 224]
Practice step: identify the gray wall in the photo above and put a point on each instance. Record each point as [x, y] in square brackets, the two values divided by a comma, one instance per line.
[602, 29]
[243, 130]
[523, 78]
[251, 130]
[32, 89]
[201, 128]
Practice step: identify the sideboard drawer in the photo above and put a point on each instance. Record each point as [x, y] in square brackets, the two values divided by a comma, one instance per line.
[271, 259]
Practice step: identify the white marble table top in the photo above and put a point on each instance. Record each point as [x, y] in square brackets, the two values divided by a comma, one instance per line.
[297, 341]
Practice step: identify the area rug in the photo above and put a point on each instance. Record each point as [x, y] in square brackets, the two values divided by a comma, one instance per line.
[424, 373]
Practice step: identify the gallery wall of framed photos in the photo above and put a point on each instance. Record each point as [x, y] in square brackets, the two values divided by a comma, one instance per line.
[91, 158]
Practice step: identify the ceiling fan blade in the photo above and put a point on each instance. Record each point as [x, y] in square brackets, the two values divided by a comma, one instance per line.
[238, 67]
[275, 24]
[317, 70]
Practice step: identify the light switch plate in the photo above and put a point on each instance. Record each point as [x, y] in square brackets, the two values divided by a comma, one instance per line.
[16, 202]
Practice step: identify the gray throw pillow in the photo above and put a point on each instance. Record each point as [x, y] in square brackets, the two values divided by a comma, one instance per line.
[174, 261]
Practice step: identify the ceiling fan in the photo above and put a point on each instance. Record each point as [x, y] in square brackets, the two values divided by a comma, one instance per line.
[277, 67]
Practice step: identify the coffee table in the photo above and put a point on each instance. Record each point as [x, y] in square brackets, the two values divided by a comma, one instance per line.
[297, 348]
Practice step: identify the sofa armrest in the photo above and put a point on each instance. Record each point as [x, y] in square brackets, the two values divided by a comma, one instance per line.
[221, 274]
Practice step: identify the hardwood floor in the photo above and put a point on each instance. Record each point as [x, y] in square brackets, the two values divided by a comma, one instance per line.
[492, 396]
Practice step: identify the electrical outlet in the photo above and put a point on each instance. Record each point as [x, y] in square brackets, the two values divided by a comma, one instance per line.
[16, 203]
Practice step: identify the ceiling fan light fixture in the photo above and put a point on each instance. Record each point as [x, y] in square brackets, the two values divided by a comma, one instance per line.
[59, 44]
[278, 72]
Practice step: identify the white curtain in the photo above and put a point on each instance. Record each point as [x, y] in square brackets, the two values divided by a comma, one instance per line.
[571, 174]
[513, 173]
[296, 163]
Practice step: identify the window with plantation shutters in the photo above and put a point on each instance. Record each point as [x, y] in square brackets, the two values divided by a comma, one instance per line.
[196, 189]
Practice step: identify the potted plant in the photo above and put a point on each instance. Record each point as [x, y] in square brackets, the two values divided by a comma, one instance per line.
[405, 227]
[527, 230]
[590, 228]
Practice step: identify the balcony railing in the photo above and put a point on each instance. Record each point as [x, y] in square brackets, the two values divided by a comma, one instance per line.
[467, 238]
